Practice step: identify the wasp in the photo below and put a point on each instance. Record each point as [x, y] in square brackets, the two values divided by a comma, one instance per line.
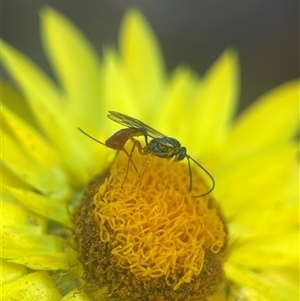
[160, 145]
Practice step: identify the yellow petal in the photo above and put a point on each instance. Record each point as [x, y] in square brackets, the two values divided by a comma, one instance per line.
[118, 93]
[35, 85]
[288, 218]
[284, 282]
[142, 58]
[215, 103]
[48, 109]
[11, 271]
[15, 101]
[270, 286]
[258, 180]
[56, 261]
[266, 251]
[174, 118]
[49, 181]
[15, 245]
[10, 178]
[47, 207]
[36, 286]
[272, 120]
[17, 219]
[75, 63]
[29, 139]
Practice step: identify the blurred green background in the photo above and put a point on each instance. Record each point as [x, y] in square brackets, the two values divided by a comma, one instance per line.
[193, 32]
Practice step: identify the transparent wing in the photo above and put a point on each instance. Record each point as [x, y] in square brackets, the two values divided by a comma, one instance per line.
[133, 123]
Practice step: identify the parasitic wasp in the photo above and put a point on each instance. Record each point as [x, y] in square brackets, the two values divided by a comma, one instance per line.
[160, 145]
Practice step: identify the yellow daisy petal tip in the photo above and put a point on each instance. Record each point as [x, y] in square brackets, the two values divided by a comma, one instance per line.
[215, 101]
[47, 12]
[134, 18]
[135, 31]
[142, 59]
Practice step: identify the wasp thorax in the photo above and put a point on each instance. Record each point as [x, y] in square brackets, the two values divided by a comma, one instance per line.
[150, 239]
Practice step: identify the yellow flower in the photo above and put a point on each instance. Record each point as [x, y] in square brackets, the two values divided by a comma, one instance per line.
[47, 164]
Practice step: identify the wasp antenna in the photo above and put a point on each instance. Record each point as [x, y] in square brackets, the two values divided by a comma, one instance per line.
[210, 176]
[83, 132]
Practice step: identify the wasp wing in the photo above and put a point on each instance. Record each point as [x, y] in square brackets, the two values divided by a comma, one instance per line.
[131, 122]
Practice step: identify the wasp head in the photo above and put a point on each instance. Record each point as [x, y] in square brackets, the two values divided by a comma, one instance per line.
[180, 154]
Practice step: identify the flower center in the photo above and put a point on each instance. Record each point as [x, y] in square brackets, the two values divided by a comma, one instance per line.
[141, 232]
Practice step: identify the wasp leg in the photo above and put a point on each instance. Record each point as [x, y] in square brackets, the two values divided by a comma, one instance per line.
[136, 143]
[146, 166]
[129, 160]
